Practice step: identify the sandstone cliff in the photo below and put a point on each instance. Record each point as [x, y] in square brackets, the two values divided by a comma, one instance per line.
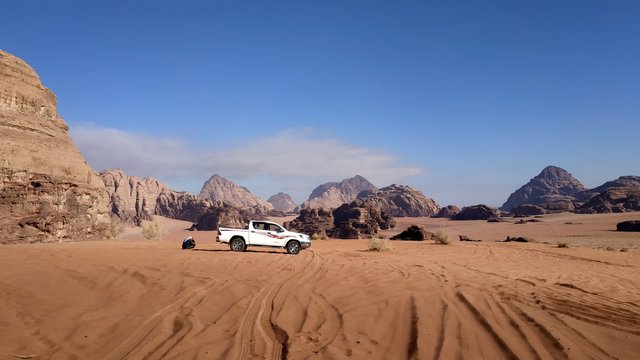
[282, 202]
[219, 188]
[402, 201]
[134, 199]
[552, 185]
[333, 194]
[47, 190]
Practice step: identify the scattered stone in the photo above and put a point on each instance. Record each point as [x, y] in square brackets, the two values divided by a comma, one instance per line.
[466, 238]
[518, 239]
[414, 233]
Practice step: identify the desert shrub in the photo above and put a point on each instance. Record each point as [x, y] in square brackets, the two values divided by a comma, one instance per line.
[152, 231]
[624, 250]
[317, 236]
[563, 244]
[610, 248]
[114, 230]
[442, 237]
[378, 244]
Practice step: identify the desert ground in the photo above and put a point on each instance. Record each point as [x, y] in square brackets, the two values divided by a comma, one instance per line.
[132, 298]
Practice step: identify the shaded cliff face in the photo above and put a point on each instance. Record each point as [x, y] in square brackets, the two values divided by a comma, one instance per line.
[402, 200]
[552, 185]
[333, 194]
[133, 199]
[47, 190]
[217, 188]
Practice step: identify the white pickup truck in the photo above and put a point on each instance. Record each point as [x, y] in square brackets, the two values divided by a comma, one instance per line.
[263, 233]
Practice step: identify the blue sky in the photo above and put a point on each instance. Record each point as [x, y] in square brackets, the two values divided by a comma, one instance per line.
[463, 100]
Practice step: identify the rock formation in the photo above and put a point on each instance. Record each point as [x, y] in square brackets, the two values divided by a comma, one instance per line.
[219, 188]
[553, 184]
[312, 221]
[223, 216]
[133, 199]
[360, 218]
[477, 212]
[414, 233]
[528, 210]
[333, 194]
[282, 202]
[402, 201]
[620, 199]
[448, 212]
[47, 190]
[631, 225]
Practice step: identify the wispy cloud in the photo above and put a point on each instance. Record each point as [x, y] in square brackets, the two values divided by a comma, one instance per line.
[294, 159]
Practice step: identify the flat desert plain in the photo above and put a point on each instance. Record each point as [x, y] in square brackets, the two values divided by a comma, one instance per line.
[139, 299]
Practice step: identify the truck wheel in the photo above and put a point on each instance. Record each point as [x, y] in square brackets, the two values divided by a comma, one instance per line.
[293, 247]
[237, 244]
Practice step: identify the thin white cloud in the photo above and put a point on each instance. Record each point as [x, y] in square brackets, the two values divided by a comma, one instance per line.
[292, 159]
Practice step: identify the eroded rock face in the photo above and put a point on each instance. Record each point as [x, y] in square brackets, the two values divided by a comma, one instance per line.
[282, 202]
[448, 212]
[223, 215]
[360, 218]
[47, 190]
[615, 200]
[402, 201]
[312, 221]
[552, 185]
[477, 212]
[528, 210]
[333, 194]
[133, 199]
[219, 188]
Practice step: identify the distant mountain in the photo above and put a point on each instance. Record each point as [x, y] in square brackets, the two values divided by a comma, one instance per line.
[282, 202]
[619, 195]
[333, 194]
[402, 200]
[552, 185]
[217, 188]
[133, 199]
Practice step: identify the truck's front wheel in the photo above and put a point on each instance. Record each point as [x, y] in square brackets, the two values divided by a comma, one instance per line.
[293, 247]
[237, 244]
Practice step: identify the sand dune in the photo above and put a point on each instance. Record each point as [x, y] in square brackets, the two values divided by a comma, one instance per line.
[137, 299]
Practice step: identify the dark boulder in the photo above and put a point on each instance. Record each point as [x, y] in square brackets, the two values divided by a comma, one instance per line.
[312, 221]
[414, 233]
[360, 218]
[631, 225]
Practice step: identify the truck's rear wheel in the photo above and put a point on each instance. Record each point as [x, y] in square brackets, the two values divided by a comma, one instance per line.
[293, 247]
[237, 244]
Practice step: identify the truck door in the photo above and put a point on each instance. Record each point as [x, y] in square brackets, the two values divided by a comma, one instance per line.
[275, 234]
[259, 234]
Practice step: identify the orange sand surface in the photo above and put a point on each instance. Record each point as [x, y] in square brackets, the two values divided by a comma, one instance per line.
[135, 299]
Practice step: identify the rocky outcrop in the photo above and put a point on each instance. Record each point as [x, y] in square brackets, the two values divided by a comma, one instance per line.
[402, 201]
[448, 212]
[477, 212]
[621, 182]
[631, 225]
[282, 202]
[528, 210]
[553, 184]
[414, 233]
[333, 194]
[133, 199]
[47, 190]
[218, 188]
[613, 200]
[360, 218]
[223, 216]
[312, 221]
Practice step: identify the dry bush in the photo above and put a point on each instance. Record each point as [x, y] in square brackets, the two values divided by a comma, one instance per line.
[378, 244]
[317, 236]
[152, 231]
[442, 237]
[114, 230]
[563, 244]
